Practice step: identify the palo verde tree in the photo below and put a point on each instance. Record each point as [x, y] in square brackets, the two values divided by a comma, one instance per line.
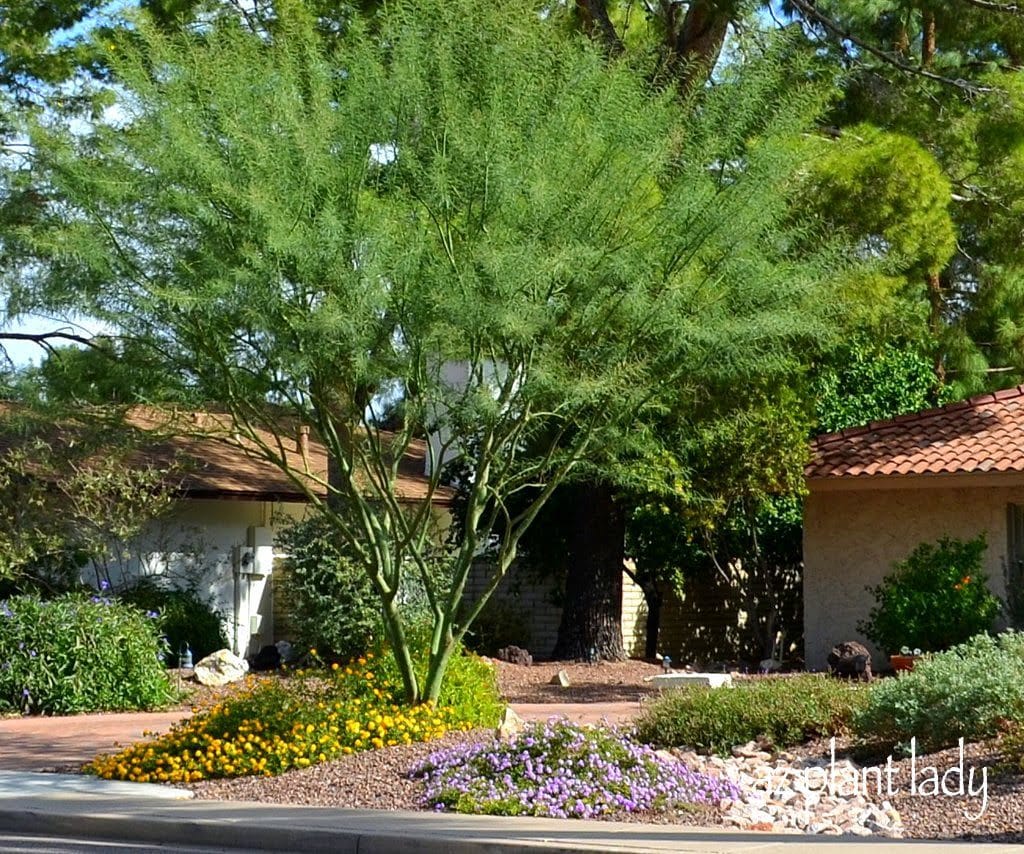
[458, 206]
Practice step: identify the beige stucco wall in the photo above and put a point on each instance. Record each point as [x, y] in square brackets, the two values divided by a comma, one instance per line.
[852, 537]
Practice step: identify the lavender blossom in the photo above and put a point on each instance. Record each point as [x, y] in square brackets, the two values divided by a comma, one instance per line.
[562, 770]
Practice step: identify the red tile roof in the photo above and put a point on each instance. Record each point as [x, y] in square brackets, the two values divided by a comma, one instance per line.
[983, 434]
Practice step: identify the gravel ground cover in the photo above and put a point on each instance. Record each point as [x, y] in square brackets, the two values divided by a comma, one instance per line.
[379, 779]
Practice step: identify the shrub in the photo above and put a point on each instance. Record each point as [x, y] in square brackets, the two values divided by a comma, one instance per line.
[783, 711]
[934, 599]
[184, 618]
[79, 653]
[278, 724]
[1013, 745]
[470, 686]
[335, 608]
[971, 690]
[563, 770]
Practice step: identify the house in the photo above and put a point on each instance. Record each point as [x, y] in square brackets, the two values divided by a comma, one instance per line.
[220, 533]
[230, 503]
[876, 492]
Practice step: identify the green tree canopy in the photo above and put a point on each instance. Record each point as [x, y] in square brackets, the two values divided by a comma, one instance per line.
[458, 205]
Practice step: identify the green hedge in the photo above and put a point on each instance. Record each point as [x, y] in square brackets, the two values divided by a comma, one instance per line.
[79, 653]
[971, 690]
[784, 711]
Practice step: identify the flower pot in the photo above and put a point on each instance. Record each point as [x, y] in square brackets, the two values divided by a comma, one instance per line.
[901, 662]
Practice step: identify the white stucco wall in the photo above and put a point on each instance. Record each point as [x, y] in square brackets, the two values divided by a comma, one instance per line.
[197, 543]
[853, 536]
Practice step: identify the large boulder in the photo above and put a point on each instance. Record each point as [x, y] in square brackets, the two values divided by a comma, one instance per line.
[515, 655]
[850, 660]
[220, 668]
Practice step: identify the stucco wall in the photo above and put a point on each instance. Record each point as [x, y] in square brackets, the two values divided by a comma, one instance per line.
[195, 544]
[853, 537]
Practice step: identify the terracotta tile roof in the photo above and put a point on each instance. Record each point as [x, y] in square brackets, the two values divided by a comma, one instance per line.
[220, 465]
[983, 434]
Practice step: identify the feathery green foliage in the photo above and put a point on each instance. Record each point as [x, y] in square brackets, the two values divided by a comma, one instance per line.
[459, 206]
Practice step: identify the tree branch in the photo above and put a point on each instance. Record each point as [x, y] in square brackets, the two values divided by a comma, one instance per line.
[988, 6]
[44, 339]
[811, 13]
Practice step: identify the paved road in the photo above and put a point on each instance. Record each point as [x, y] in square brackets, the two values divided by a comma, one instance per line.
[15, 844]
[204, 825]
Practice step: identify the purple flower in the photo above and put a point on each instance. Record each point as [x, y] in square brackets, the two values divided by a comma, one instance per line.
[560, 769]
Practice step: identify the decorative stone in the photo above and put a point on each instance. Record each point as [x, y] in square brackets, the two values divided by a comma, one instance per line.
[850, 660]
[220, 668]
[286, 651]
[510, 724]
[778, 792]
[268, 658]
[515, 655]
[686, 680]
[561, 678]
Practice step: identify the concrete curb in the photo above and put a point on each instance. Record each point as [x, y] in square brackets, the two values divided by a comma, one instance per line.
[266, 827]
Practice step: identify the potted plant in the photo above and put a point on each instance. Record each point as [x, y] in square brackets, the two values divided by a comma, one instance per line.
[904, 659]
[934, 599]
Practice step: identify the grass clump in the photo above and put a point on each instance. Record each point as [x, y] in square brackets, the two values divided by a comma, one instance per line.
[781, 711]
[275, 725]
[972, 690]
[563, 770]
[79, 653]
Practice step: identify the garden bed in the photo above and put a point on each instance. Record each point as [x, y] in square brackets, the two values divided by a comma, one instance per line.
[379, 780]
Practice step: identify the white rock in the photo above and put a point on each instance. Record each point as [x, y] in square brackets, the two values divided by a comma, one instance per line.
[510, 724]
[220, 668]
[561, 679]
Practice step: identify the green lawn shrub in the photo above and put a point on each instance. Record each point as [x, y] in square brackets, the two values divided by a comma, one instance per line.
[79, 653]
[470, 686]
[334, 607]
[784, 711]
[972, 690]
[183, 616]
[934, 599]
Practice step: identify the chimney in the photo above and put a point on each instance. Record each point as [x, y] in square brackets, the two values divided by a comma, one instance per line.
[302, 446]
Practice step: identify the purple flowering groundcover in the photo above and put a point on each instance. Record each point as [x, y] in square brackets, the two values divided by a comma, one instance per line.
[562, 770]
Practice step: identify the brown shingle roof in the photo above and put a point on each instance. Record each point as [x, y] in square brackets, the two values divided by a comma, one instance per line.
[983, 434]
[219, 465]
[224, 466]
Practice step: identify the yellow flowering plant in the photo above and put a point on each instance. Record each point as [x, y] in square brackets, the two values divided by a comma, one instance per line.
[276, 724]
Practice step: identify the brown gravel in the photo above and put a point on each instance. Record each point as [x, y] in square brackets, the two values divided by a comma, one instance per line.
[604, 682]
[376, 779]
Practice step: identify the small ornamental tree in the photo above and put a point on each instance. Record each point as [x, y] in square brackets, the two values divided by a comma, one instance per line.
[455, 204]
[934, 599]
